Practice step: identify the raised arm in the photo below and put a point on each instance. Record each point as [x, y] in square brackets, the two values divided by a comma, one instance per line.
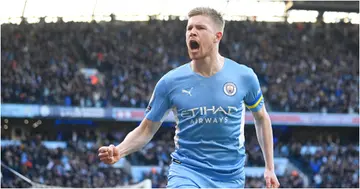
[133, 142]
[155, 112]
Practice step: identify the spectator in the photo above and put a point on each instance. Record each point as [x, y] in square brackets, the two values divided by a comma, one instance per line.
[301, 67]
[337, 160]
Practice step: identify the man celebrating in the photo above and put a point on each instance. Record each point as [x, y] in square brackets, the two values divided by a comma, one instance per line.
[208, 97]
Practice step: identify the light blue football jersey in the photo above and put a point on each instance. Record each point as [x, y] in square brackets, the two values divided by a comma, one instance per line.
[210, 114]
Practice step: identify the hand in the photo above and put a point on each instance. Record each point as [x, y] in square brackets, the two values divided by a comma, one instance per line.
[109, 154]
[271, 179]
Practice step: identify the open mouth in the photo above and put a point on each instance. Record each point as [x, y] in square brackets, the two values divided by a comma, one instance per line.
[194, 45]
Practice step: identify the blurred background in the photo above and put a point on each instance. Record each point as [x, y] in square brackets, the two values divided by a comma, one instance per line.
[78, 74]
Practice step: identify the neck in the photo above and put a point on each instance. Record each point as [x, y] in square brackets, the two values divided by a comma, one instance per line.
[208, 66]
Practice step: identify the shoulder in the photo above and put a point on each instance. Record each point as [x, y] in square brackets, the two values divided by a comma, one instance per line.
[240, 69]
[176, 73]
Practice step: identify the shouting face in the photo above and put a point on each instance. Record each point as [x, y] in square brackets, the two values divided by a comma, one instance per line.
[202, 36]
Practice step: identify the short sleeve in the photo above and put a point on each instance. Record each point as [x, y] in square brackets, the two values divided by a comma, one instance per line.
[159, 102]
[254, 99]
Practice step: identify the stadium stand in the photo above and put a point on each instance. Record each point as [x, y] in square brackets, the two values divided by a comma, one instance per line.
[127, 59]
[328, 156]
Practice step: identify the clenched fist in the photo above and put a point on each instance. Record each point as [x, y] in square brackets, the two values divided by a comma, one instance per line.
[109, 154]
[271, 179]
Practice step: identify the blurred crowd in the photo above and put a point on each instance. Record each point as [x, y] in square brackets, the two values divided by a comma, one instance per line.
[332, 162]
[76, 166]
[290, 180]
[333, 165]
[302, 67]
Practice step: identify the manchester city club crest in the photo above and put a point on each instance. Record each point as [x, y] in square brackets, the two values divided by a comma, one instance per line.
[230, 89]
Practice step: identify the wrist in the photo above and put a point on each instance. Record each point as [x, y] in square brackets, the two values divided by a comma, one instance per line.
[119, 151]
[270, 167]
[117, 148]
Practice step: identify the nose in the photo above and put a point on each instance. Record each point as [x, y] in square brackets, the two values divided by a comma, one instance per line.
[193, 33]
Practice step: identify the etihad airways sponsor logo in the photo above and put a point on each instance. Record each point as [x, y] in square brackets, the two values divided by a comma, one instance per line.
[212, 114]
[208, 120]
[208, 111]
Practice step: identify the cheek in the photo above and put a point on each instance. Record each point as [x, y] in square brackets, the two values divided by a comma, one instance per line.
[208, 39]
[208, 42]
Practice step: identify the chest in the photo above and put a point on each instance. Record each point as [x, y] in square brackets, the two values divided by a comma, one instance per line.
[211, 93]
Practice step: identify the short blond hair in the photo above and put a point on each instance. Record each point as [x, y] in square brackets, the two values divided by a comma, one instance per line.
[210, 12]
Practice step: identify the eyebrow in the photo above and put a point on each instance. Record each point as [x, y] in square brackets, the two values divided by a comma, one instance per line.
[197, 25]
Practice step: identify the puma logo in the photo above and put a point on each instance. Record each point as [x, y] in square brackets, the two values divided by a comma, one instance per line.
[187, 91]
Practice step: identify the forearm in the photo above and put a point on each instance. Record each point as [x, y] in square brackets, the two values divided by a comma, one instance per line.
[134, 141]
[265, 138]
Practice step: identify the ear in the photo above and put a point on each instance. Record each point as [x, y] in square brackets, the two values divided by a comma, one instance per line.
[218, 37]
